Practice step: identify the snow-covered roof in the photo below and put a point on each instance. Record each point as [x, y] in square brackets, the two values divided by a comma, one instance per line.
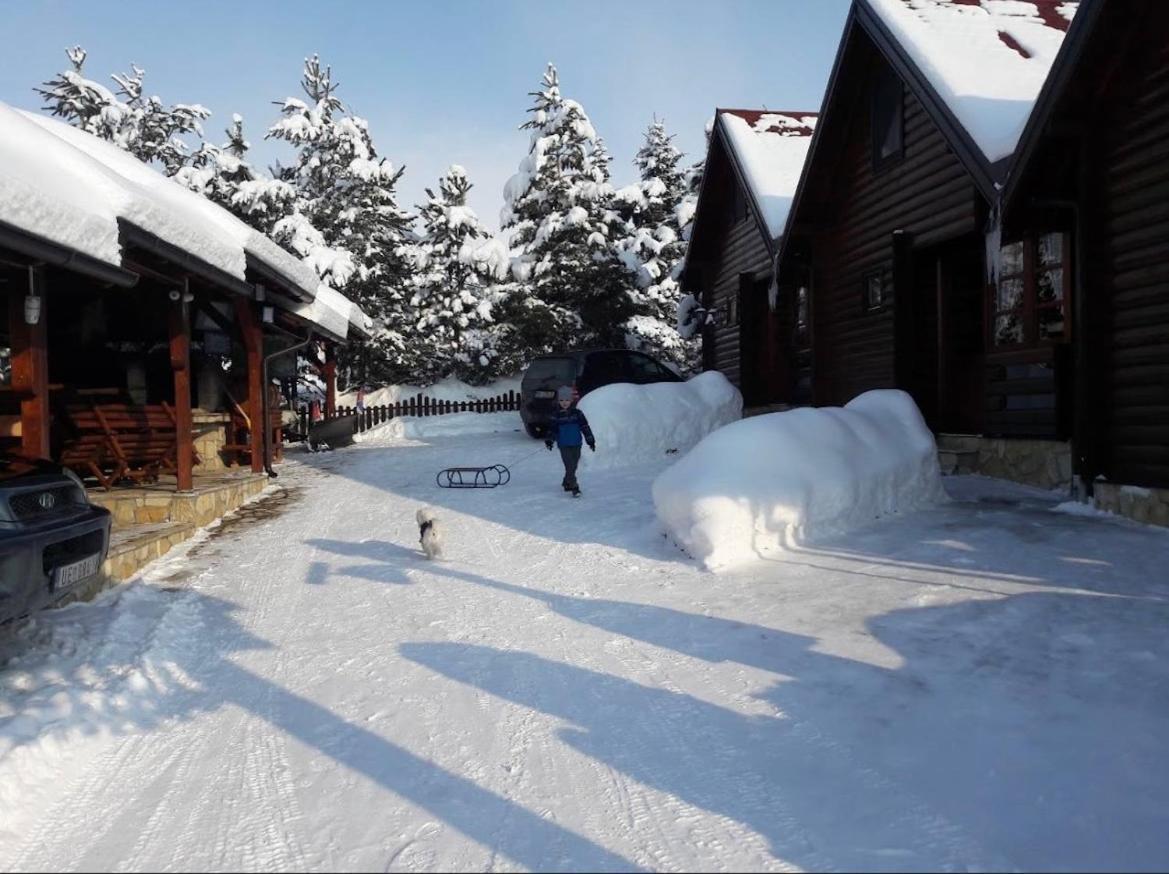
[770, 148]
[72, 188]
[52, 190]
[986, 59]
[189, 220]
[329, 310]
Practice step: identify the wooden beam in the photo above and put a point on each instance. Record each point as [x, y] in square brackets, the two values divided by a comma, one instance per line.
[180, 362]
[253, 338]
[30, 367]
[330, 373]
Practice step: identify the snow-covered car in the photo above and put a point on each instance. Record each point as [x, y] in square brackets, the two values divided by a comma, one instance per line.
[584, 370]
[52, 539]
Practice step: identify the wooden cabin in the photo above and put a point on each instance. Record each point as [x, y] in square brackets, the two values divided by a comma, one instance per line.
[136, 317]
[887, 236]
[1092, 178]
[752, 165]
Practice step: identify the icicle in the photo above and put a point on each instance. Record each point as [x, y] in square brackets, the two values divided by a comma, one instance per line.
[994, 244]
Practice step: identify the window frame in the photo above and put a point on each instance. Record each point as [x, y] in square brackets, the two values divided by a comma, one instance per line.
[886, 98]
[1030, 307]
[883, 298]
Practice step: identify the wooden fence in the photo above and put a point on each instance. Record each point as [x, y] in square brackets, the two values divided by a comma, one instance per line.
[419, 405]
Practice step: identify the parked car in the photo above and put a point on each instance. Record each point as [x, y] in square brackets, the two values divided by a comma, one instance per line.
[584, 370]
[52, 540]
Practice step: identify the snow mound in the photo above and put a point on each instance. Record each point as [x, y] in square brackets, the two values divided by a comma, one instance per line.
[645, 423]
[771, 482]
[403, 428]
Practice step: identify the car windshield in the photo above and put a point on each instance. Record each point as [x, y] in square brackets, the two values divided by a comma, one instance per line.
[561, 371]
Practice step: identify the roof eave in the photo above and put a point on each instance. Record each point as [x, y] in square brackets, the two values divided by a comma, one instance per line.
[133, 236]
[41, 249]
[275, 275]
[821, 124]
[956, 135]
[741, 178]
[1062, 69]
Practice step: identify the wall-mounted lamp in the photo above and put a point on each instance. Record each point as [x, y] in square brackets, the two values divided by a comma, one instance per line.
[188, 297]
[268, 315]
[32, 303]
[32, 309]
[175, 295]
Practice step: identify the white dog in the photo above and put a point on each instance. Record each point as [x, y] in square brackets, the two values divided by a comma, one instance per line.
[429, 532]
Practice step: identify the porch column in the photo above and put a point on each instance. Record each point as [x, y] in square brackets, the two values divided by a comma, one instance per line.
[180, 362]
[30, 366]
[253, 336]
[330, 373]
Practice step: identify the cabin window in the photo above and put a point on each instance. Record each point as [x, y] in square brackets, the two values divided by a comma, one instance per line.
[1030, 300]
[873, 289]
[802, 315]
[738, 204]
[887, 118]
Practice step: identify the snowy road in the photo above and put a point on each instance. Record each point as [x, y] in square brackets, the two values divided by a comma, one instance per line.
[981, 687]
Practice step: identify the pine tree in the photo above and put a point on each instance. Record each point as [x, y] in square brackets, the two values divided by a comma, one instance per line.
[652, 247]
[345, 194]
[457, 261]
[223, 174]
[142, 125]
[568, 284]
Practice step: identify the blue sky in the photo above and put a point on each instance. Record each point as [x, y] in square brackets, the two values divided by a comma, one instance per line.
[446, 82]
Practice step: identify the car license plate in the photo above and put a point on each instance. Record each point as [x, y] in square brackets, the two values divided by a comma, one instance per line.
[71, 574]
[545, 394]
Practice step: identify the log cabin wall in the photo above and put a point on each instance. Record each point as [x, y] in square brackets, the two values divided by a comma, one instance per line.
[1134, 235]
[926, 192]
[732, 245]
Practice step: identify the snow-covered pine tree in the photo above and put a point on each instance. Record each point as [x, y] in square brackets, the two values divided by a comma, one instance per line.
[347, 222]
[223, 174]
[142, 125]
[651, 247]
[569, 287]
[457, 261]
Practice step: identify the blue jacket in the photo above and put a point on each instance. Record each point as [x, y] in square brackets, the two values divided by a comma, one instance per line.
[568, 426]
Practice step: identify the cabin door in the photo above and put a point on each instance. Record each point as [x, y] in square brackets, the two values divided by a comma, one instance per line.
[763, 368]
[961, 338]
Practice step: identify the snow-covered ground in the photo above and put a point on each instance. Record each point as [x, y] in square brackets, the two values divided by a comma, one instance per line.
[983, 685]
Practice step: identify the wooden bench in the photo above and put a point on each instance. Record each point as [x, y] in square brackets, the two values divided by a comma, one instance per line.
[115, 441]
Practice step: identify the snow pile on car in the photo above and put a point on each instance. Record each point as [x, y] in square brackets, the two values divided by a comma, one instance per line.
[649, 423]
[764, 484]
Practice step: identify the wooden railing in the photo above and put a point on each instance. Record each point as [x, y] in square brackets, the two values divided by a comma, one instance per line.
[419, 405]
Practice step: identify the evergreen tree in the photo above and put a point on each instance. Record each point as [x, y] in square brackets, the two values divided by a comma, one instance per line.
[142, 125]
[456, 262]
[346, 195]
[651, 247]
[224, 175]
[568, 284]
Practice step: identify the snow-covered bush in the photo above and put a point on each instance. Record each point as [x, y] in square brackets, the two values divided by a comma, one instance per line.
[647, 423]
[771, 482]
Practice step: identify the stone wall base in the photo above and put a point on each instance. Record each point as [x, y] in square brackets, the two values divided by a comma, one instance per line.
[1043, 463]
[212, 496]
[1150, 506]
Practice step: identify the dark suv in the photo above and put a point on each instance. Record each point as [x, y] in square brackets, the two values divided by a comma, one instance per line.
[52, 540]
[584, 370]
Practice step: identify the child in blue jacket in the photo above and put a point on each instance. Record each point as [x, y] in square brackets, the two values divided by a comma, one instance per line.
[569, 427]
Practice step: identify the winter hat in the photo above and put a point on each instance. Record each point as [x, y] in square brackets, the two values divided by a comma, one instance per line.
[564, 393]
